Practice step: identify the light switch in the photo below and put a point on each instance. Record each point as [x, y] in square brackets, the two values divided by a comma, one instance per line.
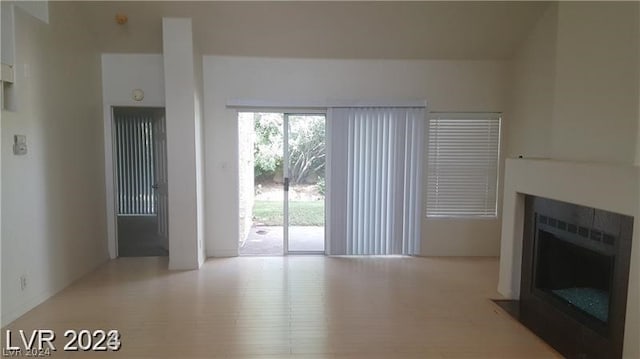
[19, 145]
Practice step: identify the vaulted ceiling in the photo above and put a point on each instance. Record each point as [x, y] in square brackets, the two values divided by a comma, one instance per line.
[385, 30]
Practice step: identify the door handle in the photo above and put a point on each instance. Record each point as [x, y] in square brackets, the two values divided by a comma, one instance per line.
[286, 184]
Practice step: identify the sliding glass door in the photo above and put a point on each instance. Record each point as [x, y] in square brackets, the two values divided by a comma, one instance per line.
[281, 183]
[304, 183]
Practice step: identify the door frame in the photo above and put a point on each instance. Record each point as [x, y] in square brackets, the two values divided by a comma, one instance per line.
[110, 173]
[286, 112]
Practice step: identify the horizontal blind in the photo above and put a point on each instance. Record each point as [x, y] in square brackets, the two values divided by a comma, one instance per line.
[463, 156]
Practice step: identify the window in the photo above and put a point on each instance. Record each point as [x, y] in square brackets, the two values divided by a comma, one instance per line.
[462, 176]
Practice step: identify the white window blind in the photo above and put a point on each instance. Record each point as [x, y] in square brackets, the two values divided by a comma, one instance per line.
[375, 180]
[135, 162]
[463, 156]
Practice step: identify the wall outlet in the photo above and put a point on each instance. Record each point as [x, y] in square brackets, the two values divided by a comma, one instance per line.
[23, 282]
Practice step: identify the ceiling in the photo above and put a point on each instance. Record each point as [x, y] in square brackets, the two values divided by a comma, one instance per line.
[307, 29]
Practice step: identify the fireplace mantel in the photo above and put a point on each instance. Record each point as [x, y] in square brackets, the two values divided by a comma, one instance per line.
[614, 188]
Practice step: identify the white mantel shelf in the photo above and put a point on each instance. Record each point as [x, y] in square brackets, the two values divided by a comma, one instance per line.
[610, 187]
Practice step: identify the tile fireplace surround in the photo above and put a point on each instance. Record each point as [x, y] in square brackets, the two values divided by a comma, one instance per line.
[614, 188]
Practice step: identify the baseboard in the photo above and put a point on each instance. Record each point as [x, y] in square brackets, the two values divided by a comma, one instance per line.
[222, 253]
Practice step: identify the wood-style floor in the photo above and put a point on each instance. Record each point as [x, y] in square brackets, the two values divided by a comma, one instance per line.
[296, 306]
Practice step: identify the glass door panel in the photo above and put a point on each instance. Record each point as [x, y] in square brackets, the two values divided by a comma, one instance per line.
[304, 168]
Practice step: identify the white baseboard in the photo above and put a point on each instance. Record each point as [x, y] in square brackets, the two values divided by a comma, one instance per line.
[222, 253]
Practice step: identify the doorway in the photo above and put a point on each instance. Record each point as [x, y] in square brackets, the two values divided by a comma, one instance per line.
[282, 183]
[141, 182]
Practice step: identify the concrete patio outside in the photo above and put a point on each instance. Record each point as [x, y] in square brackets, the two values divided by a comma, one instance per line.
[268, 240]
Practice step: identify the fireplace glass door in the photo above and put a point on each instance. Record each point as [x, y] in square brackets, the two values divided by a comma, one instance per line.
[573, 268]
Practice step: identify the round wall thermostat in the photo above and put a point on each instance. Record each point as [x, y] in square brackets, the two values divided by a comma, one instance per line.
[138, 95]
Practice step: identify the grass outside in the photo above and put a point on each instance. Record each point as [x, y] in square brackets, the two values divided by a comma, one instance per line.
[301, 213]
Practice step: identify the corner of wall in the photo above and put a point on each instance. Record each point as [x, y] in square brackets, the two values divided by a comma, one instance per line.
[37, 9]
[200, 153]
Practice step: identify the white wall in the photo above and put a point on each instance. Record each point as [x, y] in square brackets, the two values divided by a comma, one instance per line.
[7, 34]
[53, 209]
[446, 85]
[37, 9]
[121, 74]
[637, 162]
[576, 89]
[199, 143]
[528, 131]
[182, 116]
[595, 113]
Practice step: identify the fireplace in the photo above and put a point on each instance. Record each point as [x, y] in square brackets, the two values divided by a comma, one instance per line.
[575, 269]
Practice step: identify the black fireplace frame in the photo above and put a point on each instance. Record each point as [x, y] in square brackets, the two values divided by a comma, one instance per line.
[572, 332]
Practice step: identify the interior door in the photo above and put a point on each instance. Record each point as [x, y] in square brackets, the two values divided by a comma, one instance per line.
[161, 186]
[304, 171]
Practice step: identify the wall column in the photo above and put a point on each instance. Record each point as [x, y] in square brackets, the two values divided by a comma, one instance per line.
[185, 242]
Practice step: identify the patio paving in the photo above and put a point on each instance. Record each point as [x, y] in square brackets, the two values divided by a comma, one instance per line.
[268, 240]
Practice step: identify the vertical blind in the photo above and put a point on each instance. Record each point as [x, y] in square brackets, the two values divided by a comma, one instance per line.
[135, 162]
[375, 179]
[463, 155]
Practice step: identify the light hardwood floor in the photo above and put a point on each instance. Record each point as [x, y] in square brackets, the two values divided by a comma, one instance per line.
[296, 306]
